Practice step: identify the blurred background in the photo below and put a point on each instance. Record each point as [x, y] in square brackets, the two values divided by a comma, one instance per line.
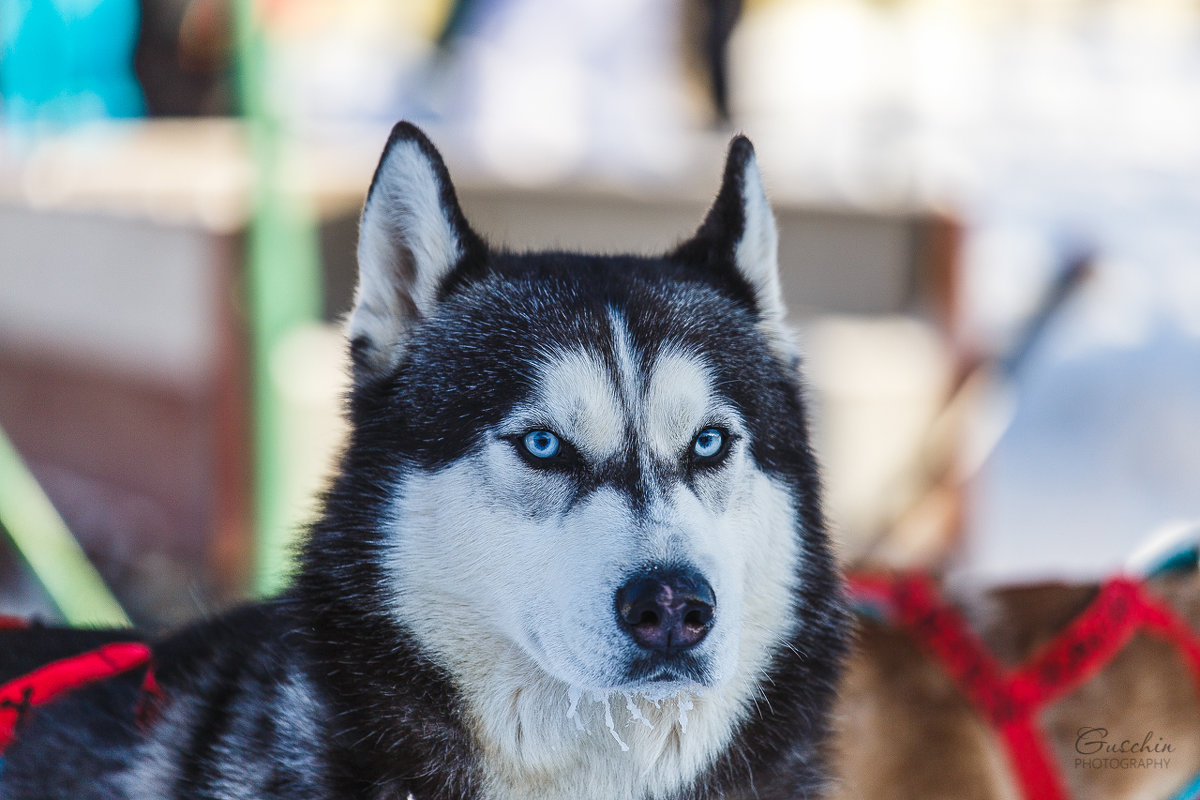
[990, 220]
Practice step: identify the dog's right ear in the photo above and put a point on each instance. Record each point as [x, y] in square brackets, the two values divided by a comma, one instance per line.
[411, 238]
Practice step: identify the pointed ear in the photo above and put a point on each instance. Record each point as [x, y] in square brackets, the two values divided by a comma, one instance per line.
[739, 231]
[411, 237]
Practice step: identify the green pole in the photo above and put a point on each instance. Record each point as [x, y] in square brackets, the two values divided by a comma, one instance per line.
[283, 282]
[42, 538]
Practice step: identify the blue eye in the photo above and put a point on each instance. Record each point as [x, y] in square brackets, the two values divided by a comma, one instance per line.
[709, 443]
[541, 444]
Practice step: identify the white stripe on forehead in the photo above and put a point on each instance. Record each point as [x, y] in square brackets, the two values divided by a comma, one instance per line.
[678, 396]
[627, 377]
[678, 400]
[594, 402]
[577, 397]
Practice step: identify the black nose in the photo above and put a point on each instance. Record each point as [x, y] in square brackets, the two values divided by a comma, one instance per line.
[666, 610]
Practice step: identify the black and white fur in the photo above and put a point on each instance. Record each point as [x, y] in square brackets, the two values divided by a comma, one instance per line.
[451, 631]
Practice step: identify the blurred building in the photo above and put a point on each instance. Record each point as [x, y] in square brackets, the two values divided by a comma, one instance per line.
[935, 166]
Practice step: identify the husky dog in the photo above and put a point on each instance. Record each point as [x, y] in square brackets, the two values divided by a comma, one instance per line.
[574, 549]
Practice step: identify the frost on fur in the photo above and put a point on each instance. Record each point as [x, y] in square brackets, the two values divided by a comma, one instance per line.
[635, 713]
[608, 721]
[681, 697]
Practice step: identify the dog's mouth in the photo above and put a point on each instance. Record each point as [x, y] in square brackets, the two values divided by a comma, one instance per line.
[657, 670]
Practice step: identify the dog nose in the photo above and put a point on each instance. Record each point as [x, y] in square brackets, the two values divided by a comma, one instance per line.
[666, 610]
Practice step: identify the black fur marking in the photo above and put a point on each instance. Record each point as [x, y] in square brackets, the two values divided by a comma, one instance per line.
[212, 727]
[360, 347]
[623, 473]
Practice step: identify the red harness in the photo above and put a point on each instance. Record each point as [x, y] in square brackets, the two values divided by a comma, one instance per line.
[52, 681]
[1011, 698]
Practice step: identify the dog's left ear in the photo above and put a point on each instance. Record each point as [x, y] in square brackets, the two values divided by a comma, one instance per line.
[411, 238]
[739, 231]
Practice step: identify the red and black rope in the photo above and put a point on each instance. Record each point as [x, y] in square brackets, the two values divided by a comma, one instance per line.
[1011, 698]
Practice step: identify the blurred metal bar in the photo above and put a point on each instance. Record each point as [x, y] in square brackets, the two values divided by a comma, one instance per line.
[57, 560]
[283, 287]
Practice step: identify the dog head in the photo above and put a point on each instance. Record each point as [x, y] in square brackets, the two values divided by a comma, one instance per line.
[594, 467]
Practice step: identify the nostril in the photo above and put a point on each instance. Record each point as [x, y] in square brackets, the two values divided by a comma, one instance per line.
[666, 610]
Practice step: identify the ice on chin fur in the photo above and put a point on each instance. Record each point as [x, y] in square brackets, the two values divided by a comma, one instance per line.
[682, 698]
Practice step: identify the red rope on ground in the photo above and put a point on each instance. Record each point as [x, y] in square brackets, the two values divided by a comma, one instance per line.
[1011, 698]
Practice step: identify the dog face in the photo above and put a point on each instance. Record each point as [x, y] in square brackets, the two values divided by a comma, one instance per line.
[586, 463]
